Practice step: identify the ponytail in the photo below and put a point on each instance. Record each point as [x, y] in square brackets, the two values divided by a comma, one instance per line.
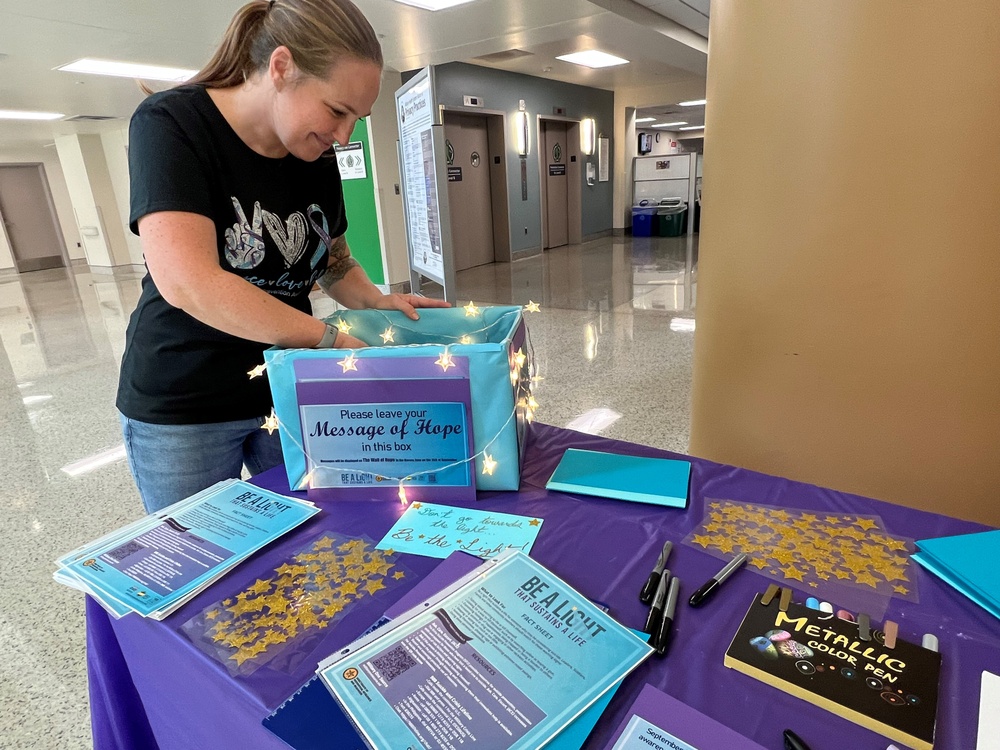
[317, 33]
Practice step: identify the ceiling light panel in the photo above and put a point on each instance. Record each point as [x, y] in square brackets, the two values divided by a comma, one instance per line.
[433, 4]
[14, 114]
[593, 58]
[128, 70]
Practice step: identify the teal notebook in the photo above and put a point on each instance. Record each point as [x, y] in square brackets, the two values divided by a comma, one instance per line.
[967, 562]
[661, 481]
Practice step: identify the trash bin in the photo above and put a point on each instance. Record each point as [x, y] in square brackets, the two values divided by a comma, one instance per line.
[670, 221]
[643, 219]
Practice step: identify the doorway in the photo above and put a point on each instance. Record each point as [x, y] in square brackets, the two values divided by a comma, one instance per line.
[559, 147]
[477, 188]
[29, 218]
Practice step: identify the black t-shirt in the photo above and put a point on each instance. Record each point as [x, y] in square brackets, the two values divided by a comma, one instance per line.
[274, 220]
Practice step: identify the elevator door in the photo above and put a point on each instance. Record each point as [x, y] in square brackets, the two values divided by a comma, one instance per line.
[27, 216]
[469, 196]
[555, 156]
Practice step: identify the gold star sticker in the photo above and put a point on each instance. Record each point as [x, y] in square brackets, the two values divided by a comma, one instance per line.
[350, 362]
[489, 465]
[343, 326]
[520, 358]
[725, 544]
[375, 584]
[471, 309]
[444, 361]
[704, 541]
[813, 584]
[531, 306]
[212, 614]
[349, 588]
[784, 556]
[792, 572]
[270, 423]
[534, 522]
[398, 575]
[758, 563]
[260, 586]
[867, 579]
[901, 590]
[388, 336]
[865, 523]
[241, 656]
[417, 505]
[257, 371]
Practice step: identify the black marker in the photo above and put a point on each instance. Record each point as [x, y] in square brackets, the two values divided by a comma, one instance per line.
[646, 595]
[699, 596]
[656, 608]
[793, 741]
[666, 623]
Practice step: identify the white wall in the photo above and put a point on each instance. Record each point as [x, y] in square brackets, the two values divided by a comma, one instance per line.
[383, 133]
[60, 197]
[115, 143]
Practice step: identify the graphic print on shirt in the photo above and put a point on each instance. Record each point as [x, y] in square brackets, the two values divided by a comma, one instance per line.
[245, 241]
[290, 237]
[245, 248]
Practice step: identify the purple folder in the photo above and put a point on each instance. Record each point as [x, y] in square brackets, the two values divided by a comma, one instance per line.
[683, 722]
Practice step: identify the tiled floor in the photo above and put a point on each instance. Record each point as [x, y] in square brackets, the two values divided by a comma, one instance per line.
[613, 343]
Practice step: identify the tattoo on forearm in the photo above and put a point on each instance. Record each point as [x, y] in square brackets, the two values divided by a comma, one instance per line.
[339, 264]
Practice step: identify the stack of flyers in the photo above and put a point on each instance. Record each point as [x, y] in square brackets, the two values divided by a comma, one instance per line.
[158, 563]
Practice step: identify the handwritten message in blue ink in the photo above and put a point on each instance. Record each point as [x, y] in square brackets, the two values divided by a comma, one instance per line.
[438, 530]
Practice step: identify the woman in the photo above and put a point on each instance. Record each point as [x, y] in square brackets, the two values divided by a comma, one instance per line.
[240, 211]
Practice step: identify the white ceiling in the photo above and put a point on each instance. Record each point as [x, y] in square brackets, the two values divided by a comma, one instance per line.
[37, 37]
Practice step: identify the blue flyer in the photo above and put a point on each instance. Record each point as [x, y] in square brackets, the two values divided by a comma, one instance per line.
[504, 659]
[438, 530]
[161, 561]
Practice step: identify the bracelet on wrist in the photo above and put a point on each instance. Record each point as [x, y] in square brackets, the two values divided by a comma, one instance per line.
[329, 339]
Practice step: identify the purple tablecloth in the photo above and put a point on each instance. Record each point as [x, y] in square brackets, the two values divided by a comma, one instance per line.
[150, 687]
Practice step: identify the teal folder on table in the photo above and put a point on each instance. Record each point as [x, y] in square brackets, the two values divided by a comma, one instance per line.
[967, 562]
[661, 481]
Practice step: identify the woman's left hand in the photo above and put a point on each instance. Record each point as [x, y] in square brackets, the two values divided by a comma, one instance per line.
[406, 303]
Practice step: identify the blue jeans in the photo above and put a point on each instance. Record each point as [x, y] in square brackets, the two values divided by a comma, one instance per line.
[171, 462]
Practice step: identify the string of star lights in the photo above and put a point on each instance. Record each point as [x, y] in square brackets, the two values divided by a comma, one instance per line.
[524, 400]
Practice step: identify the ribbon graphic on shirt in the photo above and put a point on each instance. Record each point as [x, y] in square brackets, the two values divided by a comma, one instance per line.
[322, 230]
[245, 240]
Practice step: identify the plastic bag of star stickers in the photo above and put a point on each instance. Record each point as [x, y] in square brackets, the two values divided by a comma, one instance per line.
[278, 620]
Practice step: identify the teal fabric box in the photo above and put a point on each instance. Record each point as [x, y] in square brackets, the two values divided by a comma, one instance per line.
[492, 365]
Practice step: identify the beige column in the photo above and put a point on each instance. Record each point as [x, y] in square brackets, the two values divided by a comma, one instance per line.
[849, 272]
[95, 200]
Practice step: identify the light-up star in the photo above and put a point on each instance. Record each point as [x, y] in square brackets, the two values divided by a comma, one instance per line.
[471, 309]
[402, 494]
[343, 326]
[465, 339]
[489, 465]
[445, 361]
[532, 404]
[257, 371]
[531, 306]
[515, 375]
[349, 363]
[388, 336]
[520, 358]
[270, 423]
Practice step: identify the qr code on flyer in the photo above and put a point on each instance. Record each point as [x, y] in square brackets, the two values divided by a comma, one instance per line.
[393, 663]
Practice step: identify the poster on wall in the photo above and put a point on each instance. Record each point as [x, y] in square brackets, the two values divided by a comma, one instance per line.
[415, 117]
[351, 160]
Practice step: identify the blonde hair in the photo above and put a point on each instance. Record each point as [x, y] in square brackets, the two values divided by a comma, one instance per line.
[318, 33]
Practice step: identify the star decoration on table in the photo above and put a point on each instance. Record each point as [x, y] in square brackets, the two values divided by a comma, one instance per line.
[350, 362]
[531, 307]
[810, 548]
[270, 423]
[301, 597]
[344, 327]
[388, 336]
[471, 309]
[257, 372]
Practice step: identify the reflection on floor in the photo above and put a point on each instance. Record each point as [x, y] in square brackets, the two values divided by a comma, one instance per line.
[612, 341]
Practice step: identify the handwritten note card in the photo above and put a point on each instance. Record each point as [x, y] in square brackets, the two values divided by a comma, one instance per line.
[438, 530]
